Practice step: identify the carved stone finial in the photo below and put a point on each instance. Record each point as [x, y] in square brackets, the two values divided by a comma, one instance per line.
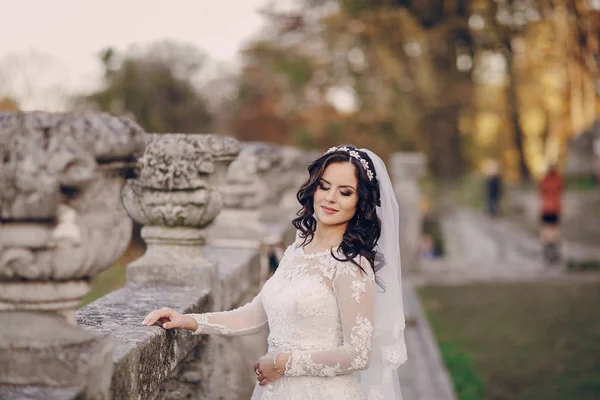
[178, 180]
[251, 182]
[61, 223]
[60, 182]
[246, 183]
[176, 196]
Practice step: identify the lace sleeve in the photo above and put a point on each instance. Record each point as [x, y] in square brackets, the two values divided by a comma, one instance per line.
[246, 320]
[354, 293]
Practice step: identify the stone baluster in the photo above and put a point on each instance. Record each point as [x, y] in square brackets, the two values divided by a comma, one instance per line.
[407, 169]
[249, 185]
[294, 174]
[61, 223]
[176, 196]
[288, 176]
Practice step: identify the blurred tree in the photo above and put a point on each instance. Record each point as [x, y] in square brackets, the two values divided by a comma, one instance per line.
[460, 80]
[155, 85]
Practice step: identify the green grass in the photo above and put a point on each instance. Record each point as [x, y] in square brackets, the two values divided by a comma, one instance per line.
[519, 341]
[114, 277]
[581, 184]
[105, 282]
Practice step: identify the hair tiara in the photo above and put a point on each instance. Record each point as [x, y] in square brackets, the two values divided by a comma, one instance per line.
[355, 154]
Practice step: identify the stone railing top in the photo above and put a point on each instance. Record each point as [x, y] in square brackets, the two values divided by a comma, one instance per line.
[45, 155]
[181, 161]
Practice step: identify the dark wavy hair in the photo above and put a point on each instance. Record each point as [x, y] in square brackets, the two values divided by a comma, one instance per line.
[364, 228]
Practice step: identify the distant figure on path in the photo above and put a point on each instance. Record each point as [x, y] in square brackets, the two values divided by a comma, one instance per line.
[550, 190]
[493, 187]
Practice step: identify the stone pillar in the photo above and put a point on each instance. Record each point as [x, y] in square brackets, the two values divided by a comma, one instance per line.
[176, 196]
[407, 169]
[62, 222]
[295, 173]
[249, 184]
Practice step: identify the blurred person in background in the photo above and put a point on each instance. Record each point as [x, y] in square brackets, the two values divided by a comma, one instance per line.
[493, 187]
[550, 190]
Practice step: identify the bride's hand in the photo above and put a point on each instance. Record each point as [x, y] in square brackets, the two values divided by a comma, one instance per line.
[170, 319]
[265, 368]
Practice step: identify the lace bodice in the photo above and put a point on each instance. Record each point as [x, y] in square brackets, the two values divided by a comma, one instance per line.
[317, 308]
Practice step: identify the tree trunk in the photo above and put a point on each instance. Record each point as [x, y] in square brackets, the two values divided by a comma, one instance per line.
[513, 106]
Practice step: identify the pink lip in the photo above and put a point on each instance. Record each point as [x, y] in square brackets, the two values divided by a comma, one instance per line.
[328, 210]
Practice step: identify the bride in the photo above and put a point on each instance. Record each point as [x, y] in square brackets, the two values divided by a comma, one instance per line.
[334, 305]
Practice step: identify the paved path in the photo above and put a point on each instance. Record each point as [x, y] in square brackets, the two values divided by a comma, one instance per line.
[482, 249]
[423, 376]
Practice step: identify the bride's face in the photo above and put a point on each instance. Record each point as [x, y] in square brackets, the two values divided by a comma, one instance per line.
[336, 195]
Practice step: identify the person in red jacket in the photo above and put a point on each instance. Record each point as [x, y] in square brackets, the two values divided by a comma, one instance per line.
[550, 190]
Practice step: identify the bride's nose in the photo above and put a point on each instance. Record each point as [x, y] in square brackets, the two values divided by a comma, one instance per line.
[330, 198]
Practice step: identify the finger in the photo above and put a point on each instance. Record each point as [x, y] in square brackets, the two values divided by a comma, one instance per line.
[152, 320]
[148, 318]
[153, 317]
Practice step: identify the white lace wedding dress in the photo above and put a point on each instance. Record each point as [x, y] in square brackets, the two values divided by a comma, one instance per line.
[320, 310]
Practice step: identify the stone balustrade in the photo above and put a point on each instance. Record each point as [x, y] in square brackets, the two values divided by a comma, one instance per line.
[63, 222]
[211, 208]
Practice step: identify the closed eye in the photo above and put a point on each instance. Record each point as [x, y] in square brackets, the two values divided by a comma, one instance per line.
[323, 187]
[346, 194]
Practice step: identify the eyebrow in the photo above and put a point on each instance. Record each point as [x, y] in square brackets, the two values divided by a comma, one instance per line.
[342, 186]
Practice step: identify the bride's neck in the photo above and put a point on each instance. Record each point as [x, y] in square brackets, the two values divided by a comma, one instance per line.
[328, 236]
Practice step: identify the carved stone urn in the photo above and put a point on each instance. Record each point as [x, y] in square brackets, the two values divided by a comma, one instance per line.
[253, 180]
[176, 196]
[61, 223]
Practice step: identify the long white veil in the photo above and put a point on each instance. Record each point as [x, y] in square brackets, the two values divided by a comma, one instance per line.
[380, 381]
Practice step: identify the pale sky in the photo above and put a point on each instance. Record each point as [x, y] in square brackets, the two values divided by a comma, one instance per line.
[73, 31]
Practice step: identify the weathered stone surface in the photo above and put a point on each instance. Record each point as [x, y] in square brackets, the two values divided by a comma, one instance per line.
[62, 222]
[178, 182]
[247, 183]
[145, 356]
[174, 255]
[60, 179]
[89, 232]
[41, 392]
[44, 156]
[223, 370]
[176, 196]
[260, 188]
[183, 161]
